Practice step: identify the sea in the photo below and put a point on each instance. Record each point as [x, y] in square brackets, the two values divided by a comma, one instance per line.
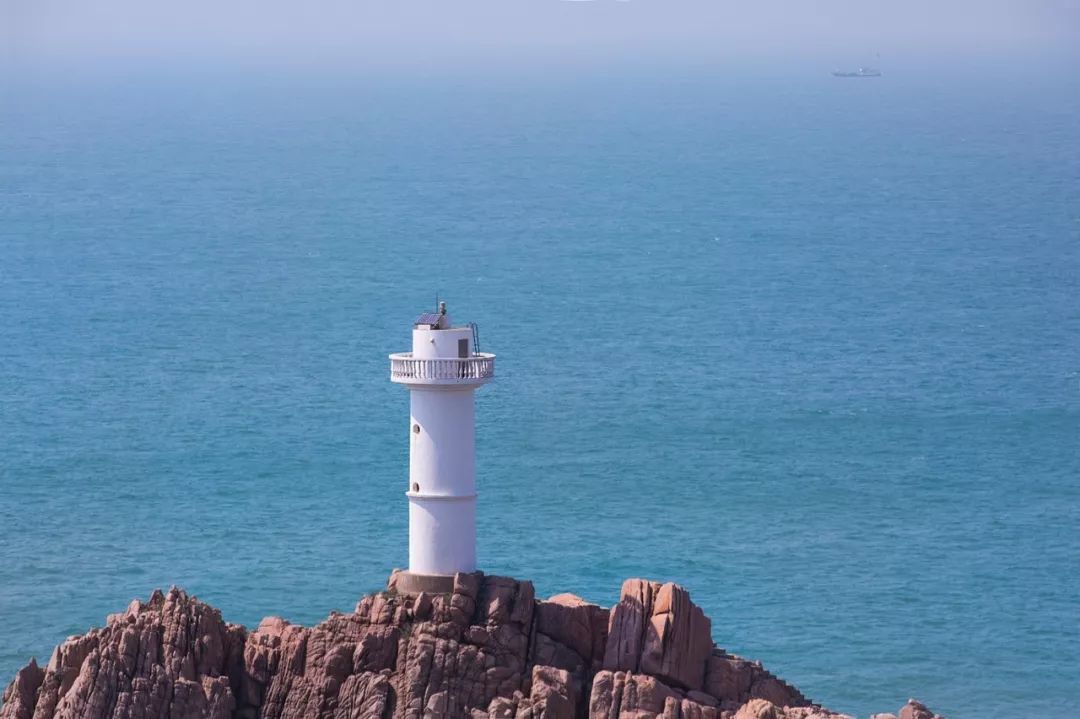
[807, 346]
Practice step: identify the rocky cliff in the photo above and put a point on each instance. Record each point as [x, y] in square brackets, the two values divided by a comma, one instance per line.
[487, 649]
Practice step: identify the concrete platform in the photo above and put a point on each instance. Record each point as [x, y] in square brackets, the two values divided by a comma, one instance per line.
[405, 582]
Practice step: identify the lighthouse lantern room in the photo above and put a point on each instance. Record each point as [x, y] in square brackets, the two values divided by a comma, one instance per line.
[442, 373]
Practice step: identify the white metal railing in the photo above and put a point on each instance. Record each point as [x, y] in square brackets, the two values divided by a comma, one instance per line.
[404, 368]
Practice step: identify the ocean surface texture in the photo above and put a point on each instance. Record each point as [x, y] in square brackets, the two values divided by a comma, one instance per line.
[806, 346]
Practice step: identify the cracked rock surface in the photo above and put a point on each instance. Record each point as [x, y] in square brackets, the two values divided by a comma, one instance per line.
[489, 649]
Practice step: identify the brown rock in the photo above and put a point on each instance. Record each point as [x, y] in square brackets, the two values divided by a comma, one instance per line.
[486, 649]
[759, 709]
[376, 649]
[728, 677]
[812, 712]
[501, 600]
[546, 651]
[421, 608]
[689, 709]
[574, 623]
[621, 694]
[702, 698]
[362, 696]
[170, 656]
[656, 629]
[678, 639]
[768, 687]
[477, 635]
[553, 695]
[915, 709]
[502, 707]
[626, 626]
[21, 695]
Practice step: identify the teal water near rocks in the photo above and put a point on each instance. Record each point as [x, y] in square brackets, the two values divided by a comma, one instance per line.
[808, 347]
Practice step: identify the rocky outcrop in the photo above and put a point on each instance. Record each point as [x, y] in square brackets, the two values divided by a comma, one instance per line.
[486, 649]
[914, 709]
[657, 630]
[21, 696]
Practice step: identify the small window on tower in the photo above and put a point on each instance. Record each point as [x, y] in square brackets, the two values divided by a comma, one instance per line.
[463, 348]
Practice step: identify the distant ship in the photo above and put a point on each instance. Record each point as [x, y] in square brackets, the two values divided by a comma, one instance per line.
[861, 72]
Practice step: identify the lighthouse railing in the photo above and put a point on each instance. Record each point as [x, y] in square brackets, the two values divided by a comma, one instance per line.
[405, 367]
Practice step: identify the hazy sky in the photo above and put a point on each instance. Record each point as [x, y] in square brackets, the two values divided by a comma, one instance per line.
[435, 31]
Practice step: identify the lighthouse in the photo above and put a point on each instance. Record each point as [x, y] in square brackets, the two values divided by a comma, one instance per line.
[442, 373]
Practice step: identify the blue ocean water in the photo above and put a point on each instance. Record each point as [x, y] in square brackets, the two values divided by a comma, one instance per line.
[806, 346]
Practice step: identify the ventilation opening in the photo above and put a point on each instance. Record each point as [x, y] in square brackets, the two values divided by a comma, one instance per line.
[416, 429]
[416, 486]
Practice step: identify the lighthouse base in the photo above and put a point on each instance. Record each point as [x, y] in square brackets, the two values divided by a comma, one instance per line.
[410, 583]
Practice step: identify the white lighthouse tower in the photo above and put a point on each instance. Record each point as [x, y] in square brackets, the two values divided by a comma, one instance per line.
[442, 373]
